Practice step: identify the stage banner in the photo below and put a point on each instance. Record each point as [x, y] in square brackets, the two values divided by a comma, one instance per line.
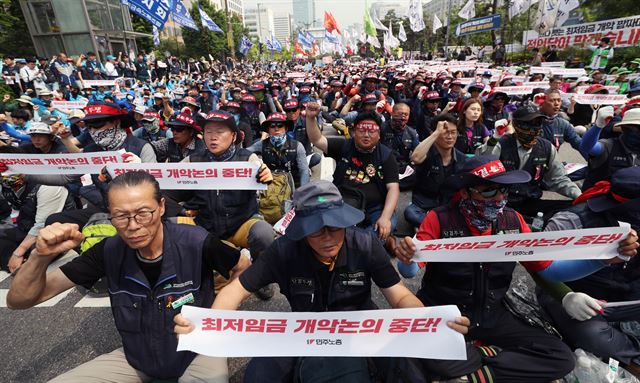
[624, 32]
[414, 333]
[67, 163]
[599, 243]
[233, 175]
[480, 24]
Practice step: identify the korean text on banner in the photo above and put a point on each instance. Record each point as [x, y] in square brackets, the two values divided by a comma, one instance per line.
[601, 99]
[415, 332]
[68, 105]
[233, 175]
[80, 163]
[599, 243]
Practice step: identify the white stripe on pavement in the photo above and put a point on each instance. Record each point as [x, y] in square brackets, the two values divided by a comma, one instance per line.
[89, 301]
[49, 303]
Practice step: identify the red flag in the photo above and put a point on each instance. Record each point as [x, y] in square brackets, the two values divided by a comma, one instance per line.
[349, 50]
[299, 49]
[330, 23]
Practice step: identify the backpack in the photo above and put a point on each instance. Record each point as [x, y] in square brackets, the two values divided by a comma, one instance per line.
[96, 230]
[276, 200]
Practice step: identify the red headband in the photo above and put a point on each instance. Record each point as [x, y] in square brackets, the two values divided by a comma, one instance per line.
[368, 126]
[92, 110]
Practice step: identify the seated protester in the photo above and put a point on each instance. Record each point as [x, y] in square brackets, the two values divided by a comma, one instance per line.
[581, 115]
[621, 80]
[153, 128]
[494, 109]
[452, 93]
[320, 244]
[608, 155]
[513, 350]
[106, 124]
[235, 109]
[231, 214]
[435, 159]
[367, 104]
[20, 118]
[206, 100]
[191, 103]
[146, 251]
[34, 204]
[162, 106]
[556, 129]
[402, 140]
[526, 150]
[474, 91]
[184, 140]
[431, 100]
[43, 140]
[471, 131]
[281, 153]
[252, 116]
[575, 314]
[366, 170]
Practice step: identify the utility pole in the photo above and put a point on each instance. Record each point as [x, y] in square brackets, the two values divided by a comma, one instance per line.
[446, 39]
[229, 30]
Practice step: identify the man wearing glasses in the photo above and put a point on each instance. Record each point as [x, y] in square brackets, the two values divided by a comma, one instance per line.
[184, 142]
[526, 150]
[153, 268]
[366, 171]
[512, 351]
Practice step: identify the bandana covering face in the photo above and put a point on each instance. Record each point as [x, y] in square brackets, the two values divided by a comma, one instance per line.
[151, 126]
[278, 141]
[480, 214]
[527, 137]
[110, 139]
[631, 139]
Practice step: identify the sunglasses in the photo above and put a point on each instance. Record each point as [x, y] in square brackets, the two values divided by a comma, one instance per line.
[96, 124]
[491, 192]
[277, 125]
[178, 129]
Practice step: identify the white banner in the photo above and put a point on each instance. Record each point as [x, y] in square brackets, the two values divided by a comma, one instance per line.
[525, 88]
[553, 64]
[566, 72]
[79, 163]
[624, 32]
[236, 175]
[68, 105]
[99, 82]
[601, 99]
[414, 333]
[610, 88]
[599, 243]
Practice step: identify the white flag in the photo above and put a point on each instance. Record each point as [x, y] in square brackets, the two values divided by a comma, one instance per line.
[373, 41]
[547, 13]
[416, 23]
[468, 11]
[402, 35]
[517, 7]
[393, 41]
[376, 21]
[437, 24]
[565, 8]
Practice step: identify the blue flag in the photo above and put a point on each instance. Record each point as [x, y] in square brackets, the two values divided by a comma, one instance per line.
[245, 45]
[182, 17]
[277, 45]
[304, 40]
[156, 36]
[310, 38]
[330, 38]
[208, 23]
[269, 44]
[154, 11]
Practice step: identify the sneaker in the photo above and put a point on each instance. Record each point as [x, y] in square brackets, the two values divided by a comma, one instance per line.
[265, 293]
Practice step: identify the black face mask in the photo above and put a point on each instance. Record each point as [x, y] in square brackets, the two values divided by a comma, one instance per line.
[631, 139]
[527, 137]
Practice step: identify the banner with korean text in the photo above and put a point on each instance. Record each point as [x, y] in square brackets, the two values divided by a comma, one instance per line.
[600, 99]
[415, 332]
[525, 88]
[68, 105]
[78, 163]
[236, 175]
[599, 243]
[624, 32]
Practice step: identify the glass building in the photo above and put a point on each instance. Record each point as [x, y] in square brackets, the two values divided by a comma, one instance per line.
[80, 26]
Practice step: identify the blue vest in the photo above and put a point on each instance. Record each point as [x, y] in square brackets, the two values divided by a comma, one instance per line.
[174, 151]
[143, 314]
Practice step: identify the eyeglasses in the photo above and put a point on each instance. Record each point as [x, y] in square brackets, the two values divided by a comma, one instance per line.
[321, 232]
[96, 124]
[277, 125]
[491, 192]
[141, 218]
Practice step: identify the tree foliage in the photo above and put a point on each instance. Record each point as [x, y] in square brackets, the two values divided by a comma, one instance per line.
[595, 10]
[143, 26]
[15, 39]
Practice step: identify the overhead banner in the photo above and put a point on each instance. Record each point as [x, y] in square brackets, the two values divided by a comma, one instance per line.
[525, 88]
[599, 243]
[154, 11]
[601, 99]
[624, 32]
[99, 82]
[68, 105]
[182, 16]
[609, 88]
[412, 333]
[234, 175]
[566, 72]
[480, 24]
[77, 163]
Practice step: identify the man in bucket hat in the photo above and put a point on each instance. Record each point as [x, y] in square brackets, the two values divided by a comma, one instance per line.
[514, 351]
[320, 244]
[575, 314]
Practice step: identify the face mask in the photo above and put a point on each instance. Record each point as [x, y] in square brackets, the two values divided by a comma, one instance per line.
[631, 139]
[151, 126]
[481, 214]
[110, 139]
[259, 96]
[278, 141]
[527, 137]
[398, 124]
[250, 108]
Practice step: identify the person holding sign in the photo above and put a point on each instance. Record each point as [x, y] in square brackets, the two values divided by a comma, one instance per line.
[520, 353]
[323, 263]
[153, 268]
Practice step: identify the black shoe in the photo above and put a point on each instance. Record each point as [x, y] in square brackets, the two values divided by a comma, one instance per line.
[265, 293]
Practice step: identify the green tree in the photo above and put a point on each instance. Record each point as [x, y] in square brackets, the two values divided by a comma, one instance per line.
[143, 26]
[15, 39]
[595, 10]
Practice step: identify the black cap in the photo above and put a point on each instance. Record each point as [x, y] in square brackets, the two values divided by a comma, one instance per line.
[527, 112]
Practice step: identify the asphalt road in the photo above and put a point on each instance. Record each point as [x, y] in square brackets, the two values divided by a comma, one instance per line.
[43, 342]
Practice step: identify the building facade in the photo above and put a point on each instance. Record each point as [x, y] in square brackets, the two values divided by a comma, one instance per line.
[440, 8]
[283, 27]
[304, 13]
[80, 26]
[259, 21]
